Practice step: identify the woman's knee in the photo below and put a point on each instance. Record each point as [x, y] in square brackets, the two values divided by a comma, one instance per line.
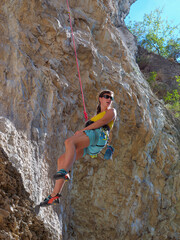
[68, 142]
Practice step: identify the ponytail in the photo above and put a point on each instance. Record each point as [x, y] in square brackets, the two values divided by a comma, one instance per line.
[99, 108]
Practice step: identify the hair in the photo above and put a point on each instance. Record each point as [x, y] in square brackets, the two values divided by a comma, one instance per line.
[101, 94]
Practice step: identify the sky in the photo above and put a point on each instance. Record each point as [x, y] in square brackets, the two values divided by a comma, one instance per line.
[171, 10]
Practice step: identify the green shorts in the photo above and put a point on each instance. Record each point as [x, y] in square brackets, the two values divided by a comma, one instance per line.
[98, 139]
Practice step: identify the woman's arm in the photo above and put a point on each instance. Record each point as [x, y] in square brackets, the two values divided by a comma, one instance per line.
[108, 117]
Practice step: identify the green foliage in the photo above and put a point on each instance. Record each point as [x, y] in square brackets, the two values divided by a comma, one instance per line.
[173, 99]
[173, 49]
[157, 35]
[152, 78]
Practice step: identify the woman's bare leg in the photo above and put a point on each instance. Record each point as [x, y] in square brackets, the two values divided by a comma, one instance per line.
[60, 183]
[75, 145]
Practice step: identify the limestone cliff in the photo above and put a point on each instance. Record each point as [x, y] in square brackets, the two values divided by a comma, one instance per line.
[17, 218]
[166, 70]
[136, 194]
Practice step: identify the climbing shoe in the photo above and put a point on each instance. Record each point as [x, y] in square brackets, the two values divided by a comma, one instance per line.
[62, 174]
[47, 202]
[50, 201]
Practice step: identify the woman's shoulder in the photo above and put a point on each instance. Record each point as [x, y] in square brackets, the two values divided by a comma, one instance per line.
[112, 112]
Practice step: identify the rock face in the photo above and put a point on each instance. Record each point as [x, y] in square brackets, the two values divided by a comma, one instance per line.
[166, 70]
[17, 219]
[133, 196]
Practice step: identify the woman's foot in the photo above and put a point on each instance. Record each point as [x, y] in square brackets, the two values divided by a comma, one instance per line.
[51, 200]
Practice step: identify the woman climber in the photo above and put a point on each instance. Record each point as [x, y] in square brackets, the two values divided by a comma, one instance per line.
[90, 140]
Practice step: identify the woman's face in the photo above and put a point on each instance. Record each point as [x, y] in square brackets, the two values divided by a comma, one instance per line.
[106, 101]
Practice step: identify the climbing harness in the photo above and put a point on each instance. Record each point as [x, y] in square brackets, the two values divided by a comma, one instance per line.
[104, 134]
[85, 113]
[104, 137]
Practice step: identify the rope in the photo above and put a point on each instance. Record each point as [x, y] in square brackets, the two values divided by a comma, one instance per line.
[85, 113]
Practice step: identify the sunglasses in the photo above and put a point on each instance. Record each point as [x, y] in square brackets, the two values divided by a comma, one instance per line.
[107, 97]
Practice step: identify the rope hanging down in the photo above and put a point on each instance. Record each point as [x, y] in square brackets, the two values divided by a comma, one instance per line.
[85, 113]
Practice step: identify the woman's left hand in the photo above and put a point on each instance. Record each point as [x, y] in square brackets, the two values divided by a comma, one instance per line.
[78, 132]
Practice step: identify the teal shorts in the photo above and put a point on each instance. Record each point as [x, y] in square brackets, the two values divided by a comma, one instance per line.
[98, 140]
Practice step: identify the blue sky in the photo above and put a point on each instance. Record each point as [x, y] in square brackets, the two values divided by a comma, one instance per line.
[171, 9]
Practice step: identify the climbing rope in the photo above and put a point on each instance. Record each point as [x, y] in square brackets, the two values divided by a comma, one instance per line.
[85, 113]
